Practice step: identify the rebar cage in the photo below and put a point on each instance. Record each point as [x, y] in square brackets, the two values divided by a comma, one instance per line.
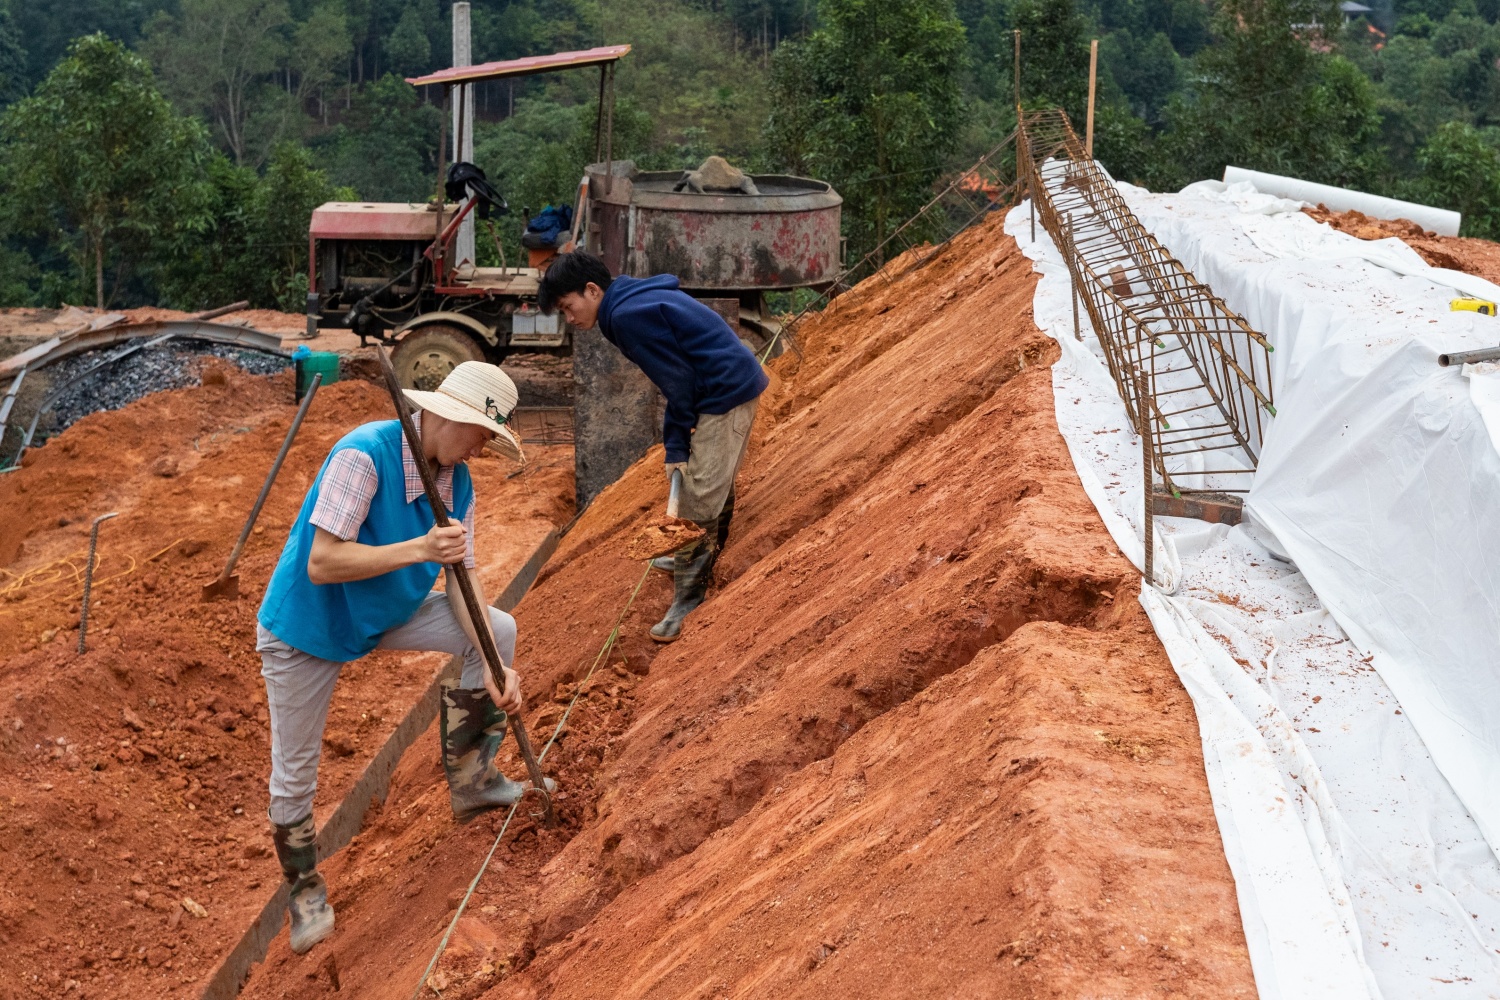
[1194, 376]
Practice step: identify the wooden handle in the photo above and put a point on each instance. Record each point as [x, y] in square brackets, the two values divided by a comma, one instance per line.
[461, 574]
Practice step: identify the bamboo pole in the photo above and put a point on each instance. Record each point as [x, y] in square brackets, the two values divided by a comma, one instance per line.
[1088, 132]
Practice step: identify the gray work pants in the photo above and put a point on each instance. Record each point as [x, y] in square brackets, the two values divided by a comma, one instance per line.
[299, 687]
[715, 452]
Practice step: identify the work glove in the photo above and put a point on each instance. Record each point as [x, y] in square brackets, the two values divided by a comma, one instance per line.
[674, 466]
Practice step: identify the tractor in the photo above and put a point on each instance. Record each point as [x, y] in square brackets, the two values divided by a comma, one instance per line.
[392, 273]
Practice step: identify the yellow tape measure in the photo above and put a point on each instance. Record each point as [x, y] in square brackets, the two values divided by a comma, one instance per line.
[1482, 306]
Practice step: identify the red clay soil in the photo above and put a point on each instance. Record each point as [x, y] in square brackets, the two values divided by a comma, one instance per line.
[133, 778]
[1460, 253]
[921, 740]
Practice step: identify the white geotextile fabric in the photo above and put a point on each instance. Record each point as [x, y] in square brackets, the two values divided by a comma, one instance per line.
[1359, 871]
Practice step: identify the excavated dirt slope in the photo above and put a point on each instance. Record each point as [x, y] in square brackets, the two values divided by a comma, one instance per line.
[921, 740]
[133, 777]
[1460, 253]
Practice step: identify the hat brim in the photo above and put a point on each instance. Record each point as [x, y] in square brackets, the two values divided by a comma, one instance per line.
[504, 443]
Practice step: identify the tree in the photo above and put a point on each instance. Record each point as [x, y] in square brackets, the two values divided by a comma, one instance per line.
[98, 153]
[1461, 171]
[1054, 54]
[1146, 70]
[408, 48]
[12, 60]
[387, 147]
[884, 77]
[320, 49]
[1264, 96]
[215, 58]
[256, 246]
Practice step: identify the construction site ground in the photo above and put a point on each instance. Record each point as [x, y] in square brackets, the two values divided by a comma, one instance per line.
[921, 740]
[134, 775]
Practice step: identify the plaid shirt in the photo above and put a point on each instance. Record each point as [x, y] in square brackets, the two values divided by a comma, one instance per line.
[350, 483]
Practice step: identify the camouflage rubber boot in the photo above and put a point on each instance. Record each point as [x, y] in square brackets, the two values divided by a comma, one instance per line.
[297, 850]
[473, 729]
[693, 568]
[664, 563]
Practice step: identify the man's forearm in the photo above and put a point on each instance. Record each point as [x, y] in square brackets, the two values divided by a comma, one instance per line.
[346, 562]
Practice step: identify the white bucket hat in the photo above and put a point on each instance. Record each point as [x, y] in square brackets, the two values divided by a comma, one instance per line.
[476, 393]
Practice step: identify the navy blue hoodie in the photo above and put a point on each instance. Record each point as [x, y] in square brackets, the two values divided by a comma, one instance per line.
[685, 348]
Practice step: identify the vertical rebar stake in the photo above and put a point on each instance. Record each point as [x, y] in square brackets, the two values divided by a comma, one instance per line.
[88, 579]
[1073, 279]
[1149, 518]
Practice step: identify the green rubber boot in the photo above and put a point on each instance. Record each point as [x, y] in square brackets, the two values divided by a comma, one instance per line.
[692, 569]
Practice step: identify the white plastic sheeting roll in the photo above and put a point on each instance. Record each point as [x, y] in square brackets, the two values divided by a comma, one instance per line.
[1439, 220]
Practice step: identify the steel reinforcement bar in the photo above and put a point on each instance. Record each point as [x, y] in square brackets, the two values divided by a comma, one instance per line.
[1194, 376]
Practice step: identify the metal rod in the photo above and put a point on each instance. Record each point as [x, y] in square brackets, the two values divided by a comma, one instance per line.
[442, 196]
[1148, 520]
[265, 490]
[477, 617]
[609, 134]
[1016, 37]
[10, 400]
[1073, 284]
[88, 580]
[599, 116]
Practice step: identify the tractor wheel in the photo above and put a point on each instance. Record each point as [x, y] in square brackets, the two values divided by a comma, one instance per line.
[425, 356]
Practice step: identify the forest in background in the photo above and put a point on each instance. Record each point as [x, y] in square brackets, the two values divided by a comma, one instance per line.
[171, 151]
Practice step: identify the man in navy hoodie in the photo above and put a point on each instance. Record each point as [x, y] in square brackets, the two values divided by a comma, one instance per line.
[711, 382]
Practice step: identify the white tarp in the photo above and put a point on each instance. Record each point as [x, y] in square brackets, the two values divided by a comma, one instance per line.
[1360, 872]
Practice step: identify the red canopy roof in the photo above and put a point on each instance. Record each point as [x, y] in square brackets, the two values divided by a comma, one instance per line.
[523, 67]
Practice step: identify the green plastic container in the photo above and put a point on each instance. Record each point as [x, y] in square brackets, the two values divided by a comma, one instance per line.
[325, 363]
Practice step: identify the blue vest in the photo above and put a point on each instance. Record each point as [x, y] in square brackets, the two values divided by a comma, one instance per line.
[344, 621]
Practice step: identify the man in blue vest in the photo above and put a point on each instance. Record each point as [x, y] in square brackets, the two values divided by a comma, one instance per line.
[357, 574]
[712, 383]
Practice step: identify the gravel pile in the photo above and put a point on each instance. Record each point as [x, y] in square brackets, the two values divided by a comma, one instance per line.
[175, 364]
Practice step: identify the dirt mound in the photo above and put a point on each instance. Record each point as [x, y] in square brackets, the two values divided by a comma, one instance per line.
[134, 775]
[920, 736]
[1472, 256]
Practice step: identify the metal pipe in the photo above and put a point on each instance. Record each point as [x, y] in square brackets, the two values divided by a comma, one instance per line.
[88, 579]
[265, 490]
[1469, 357]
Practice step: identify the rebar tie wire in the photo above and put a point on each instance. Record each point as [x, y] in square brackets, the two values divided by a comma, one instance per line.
[609, 643]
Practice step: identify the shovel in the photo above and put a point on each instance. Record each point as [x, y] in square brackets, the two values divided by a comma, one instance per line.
[227, 585]
[466, 586]
[666, 535]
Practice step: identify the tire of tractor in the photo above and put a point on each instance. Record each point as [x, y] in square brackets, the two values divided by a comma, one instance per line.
[425, 356]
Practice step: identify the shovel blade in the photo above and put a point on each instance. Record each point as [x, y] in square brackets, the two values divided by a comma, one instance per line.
[663, 537]
[225, 588]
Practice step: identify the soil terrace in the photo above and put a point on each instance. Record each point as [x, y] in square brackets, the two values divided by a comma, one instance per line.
[920, 741]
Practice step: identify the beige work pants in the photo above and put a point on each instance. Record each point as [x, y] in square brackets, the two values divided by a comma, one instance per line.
[714, 456]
